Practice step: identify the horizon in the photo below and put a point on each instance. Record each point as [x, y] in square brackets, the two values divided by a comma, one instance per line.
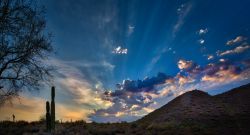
[120, 60]
[70, 120]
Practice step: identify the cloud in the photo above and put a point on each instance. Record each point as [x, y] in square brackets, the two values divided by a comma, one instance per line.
[217, 74]
[156, 58]
[124, 106]
[210, 57]
[236, 40]
[183, 12]
[120, 50]
[146, 84]
[88, 70]
[76, 87]
[68, 113]
[132, 97]
[201, 41]
[83, 93]
[130, 29]
[184, 79]
[76, 65]
[222, 60]
[246, 63]
[152, 63]
[236, 50]
[202, 31]
[185, 65]
[226, 74]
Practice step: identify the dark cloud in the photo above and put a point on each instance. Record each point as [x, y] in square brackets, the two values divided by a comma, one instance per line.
[190, 68]
[146, 85]
[212, 69]
[130, 96]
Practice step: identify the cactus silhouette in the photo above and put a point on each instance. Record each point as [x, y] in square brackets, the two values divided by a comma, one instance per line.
[48, 117]
[53, 107]
[13, 116]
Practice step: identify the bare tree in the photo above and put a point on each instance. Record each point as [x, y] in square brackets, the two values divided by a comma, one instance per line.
[24, 46]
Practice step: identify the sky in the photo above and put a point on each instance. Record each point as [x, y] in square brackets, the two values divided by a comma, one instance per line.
[119, 60]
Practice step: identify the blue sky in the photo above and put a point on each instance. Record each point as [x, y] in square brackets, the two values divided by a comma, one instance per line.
[103, 47]
[87, 31]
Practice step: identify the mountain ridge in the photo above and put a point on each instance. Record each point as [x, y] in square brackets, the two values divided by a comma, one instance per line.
[199, 105]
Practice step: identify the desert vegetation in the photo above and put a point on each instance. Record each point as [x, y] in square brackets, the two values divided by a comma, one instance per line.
[213, 127]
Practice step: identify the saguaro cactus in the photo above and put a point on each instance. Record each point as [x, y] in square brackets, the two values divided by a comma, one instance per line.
[48, 118]
[53, 107]
[13, 117]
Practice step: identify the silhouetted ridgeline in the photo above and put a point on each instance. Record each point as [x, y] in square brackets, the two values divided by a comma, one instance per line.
[226, 113]
[193, 113]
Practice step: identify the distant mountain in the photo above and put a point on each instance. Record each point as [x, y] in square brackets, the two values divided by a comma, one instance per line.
[229, 111]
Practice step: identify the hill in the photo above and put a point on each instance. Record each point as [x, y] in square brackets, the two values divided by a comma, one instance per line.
[226, 113]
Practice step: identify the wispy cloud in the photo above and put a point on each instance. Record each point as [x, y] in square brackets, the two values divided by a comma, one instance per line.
[238, 39]
[157, 57]
[79, 89]
[182, 12]
[236, 50]
[210, 57]
[130, 29]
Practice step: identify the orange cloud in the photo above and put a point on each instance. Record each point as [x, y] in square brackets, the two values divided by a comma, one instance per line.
[222, 76]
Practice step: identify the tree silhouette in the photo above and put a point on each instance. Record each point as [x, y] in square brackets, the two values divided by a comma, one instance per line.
[24, 46]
